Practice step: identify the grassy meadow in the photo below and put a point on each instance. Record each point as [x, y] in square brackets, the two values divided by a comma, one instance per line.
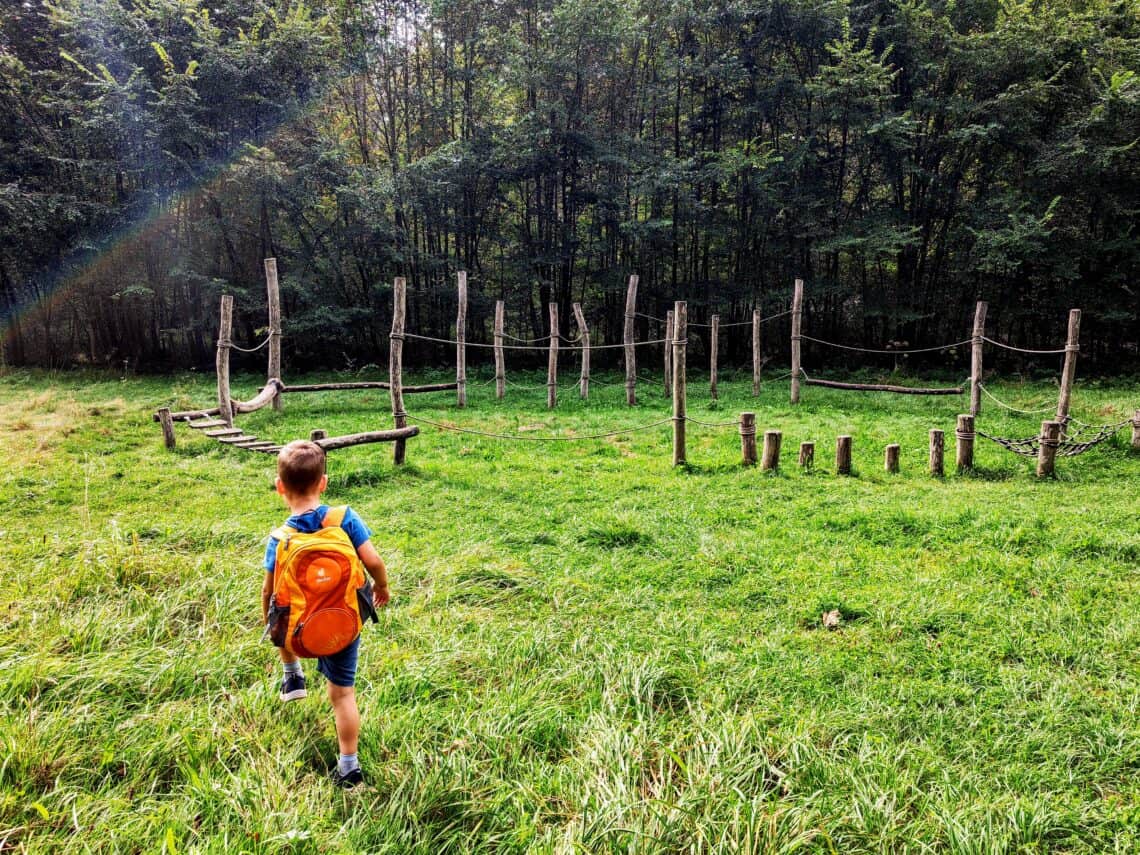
[587, 650]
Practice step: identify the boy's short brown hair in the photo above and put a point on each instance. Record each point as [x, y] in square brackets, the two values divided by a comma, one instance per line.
[300, 466]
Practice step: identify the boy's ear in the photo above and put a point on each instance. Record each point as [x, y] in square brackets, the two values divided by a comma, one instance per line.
[279, 485]
[324, 483]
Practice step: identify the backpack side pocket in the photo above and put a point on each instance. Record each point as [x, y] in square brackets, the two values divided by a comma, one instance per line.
[364, 603]
[278, 622]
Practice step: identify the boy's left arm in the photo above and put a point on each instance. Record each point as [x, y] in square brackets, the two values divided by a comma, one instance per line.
[374, 564]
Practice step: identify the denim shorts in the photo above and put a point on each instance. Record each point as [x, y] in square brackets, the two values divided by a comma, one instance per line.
[340, 668]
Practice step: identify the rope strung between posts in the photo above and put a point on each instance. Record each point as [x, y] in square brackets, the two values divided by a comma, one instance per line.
[523, 346]
[711, 424]
[895, 352]
[722, 326]
[521, 438]
[1026, 350]
[1002, 403]
[228, 343]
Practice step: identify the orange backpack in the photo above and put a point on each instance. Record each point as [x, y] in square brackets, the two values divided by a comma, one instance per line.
[321, 594]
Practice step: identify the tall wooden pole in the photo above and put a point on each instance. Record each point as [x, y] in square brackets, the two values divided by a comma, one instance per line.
[680, 336]
[669, 352]
[222, 360]
[396, 365]
[273, 292]
[797, 328]
[552, 360]
[756, 354]
[630, 350]
[714, 349]
[1069, 372]
[976, 357]
[461, 342]
[500, 366]
[1047, 450]
[584, 338]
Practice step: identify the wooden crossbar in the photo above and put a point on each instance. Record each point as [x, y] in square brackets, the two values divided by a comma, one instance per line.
[870, 387]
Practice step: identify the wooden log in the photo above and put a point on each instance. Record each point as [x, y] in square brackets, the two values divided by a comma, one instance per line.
[500, 363]
[461, 343]
[396, 365]
[976, 350]
[964, 457]
[680, 335]
[872, 387]
[552, 360]
[273, 292]
[223, 432]
[937, 448]
[256, 444]
[222, 360]
[630, 350]
[369, 384]
[807, 455]
[584, 338]
[843, 455]
[269, 393]
[314, 435]
[748, 439]
[891, 458]
[1136, 430]
[797, 331]
[398, 436]
[209, 423]
[1047, 451]
[668, 352]
[771, 459]
[230, 440]
[1069, 372]
[167, 427]
[714, 349]
[756, 353]
[187, 415]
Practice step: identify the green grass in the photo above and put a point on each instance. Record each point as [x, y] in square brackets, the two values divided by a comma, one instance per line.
[588, 650]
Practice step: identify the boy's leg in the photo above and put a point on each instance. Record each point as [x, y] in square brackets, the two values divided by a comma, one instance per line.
[347, 717]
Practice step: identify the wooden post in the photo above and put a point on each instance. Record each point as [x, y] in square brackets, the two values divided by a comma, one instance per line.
[584, 338]
[167, 427]
[797, 328]
[756, 355]
[500, 366]
[314, 435]
[552, 360]
[1136, 430]
[771, 459]
[461, 342]
[965, 448]
[396, 365]
[807, 455]
[680, 334]
[274, 301]
[1072, 348]
[1047, 452]
[630, 350]
[843, 455]
[891, 458]
[748, 439]
[714, 348]
[669, 352]
[222, 360]
[937, 446]
[976, 358]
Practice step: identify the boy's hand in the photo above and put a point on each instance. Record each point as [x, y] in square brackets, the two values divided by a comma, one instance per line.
[381, 596]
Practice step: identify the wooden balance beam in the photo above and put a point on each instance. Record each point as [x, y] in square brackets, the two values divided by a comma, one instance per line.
[869, 387]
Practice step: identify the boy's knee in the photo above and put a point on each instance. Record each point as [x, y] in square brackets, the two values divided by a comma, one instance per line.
[337, 693]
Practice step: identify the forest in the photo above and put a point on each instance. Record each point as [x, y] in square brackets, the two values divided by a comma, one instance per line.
[904, 157]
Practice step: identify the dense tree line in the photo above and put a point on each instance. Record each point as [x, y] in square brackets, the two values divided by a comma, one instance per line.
[904, 157]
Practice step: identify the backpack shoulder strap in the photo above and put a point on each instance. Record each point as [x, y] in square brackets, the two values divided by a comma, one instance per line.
[334, 517]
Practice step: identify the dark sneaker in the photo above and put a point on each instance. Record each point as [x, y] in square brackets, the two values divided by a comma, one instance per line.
[349, 779]
[293, 687]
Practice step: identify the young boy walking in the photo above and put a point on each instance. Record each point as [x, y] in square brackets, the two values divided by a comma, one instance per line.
[300, 481]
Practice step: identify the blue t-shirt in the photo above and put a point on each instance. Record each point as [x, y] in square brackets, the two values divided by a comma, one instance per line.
[310, 521]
